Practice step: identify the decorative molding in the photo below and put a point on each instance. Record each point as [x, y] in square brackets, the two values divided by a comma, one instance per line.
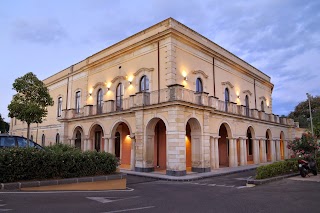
[118, 78]
[248, 92]
[200, 72]
[143, 70]
[263, 98]
[99, 84]
[227, 83]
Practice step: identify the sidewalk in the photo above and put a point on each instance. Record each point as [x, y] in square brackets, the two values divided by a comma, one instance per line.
[193, 175]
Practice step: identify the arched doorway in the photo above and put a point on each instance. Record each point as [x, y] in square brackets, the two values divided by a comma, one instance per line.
[282, 147]
[78, 138]
[223, 144]
[268, 145]
[193, 146]
[249, 145]
[156, 145]
[96, 135]
[122, 144]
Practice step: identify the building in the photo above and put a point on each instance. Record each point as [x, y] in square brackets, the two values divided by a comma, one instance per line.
[166, 98]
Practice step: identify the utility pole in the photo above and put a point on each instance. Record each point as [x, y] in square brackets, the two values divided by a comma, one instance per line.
[309, 96]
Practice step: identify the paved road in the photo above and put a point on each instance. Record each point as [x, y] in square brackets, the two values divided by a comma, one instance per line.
[148, 195]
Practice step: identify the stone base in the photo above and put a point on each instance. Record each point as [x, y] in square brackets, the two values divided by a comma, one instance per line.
[139, 169]
[176, 173]
[200, 170]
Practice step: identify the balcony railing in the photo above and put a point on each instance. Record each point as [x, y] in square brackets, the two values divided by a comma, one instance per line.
[172, 93]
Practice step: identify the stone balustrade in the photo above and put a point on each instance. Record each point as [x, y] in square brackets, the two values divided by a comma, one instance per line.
[172, 93]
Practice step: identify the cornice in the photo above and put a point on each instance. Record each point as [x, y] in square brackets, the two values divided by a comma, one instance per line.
[143, 70]
[200, 72]
[227, 83]
[118, 78]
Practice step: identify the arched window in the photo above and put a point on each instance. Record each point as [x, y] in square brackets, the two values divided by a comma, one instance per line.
[78, 94]
[119, 96]
[247, 105]
[57, 138]
[262, 106]
[199, 87]
[144, 84]
[43, 140]
[226, 99]
[59, 109]
[99, 101]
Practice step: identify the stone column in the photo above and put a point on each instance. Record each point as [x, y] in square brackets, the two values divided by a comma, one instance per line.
[89, 144]
[232, 153]
[256, 154]
[286, 150]
[242, 152]
[111, 145]
[212, 154]
[278, 151]
[245, 151]
[133, 153]
[106, 145]
[263, 154]
[235, 152]
[216, 153]
[272, 150]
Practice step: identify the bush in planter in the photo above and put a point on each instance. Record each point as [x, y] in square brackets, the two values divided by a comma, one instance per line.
[276, 169]
[19, 164]
[280, 168]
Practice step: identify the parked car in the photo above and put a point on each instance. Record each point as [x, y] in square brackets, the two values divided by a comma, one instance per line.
[16, 141]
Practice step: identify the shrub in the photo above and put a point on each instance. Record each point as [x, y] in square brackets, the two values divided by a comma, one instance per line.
[280, 168]
[304, 146]
[19, 164]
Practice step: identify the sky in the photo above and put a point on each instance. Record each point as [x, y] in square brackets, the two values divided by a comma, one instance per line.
[279, 37]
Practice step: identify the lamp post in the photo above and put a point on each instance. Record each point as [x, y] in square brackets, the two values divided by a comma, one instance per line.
[309, 96]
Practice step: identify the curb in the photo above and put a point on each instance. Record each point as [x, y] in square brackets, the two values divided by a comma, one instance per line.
[183, 178]
[19, 185]
[268, 180]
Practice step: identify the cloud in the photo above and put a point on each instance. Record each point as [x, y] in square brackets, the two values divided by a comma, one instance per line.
[38, 31]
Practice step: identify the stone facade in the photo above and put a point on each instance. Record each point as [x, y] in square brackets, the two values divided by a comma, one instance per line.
[166, 98]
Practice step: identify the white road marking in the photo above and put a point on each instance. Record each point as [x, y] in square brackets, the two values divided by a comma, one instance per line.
[56, 192]
[221, 185]
[211, 184]
[3, 204]
[110, 199]
[135, 209]
[241, 187]
[5, 210]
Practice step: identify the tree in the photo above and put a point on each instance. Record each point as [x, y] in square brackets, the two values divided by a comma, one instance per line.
[4, 126]
[305, 147]
[301, 114]
[31, 101]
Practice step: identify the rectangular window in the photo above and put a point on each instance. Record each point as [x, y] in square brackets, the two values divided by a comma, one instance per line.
[59, 106]
[78, 102]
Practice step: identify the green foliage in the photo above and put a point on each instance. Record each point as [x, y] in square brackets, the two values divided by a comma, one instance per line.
[301, 114]
[304, 146]
[21, 164]
[62, 148]
[4, 126]
[31, 101]
[276, 169]
[279, 168]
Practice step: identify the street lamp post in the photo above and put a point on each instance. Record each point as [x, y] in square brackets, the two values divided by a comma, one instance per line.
[309, 96]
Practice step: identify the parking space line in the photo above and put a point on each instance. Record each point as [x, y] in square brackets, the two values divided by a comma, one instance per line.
[134, 209]
[57, 192]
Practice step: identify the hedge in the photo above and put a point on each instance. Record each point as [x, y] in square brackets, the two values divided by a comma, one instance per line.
[21, 164]
[279, 168]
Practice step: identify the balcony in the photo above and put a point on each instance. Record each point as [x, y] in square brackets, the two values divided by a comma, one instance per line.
[171, 94]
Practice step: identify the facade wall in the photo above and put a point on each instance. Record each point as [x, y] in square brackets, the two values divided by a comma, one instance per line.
[172, 57]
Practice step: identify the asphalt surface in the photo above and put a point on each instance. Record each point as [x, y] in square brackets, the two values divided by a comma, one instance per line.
[216, 194]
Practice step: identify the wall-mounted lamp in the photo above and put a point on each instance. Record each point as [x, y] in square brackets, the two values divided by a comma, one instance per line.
[90, 93]
[238, 96]
[185, 78]
[108, 88]
[130, 82]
